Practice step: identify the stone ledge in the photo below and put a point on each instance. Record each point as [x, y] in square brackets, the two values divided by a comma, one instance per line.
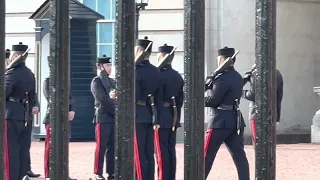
[316, 90]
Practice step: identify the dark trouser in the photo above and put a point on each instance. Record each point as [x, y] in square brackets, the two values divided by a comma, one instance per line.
[253, 129]
[29, 132]
[165, 142]
[16, 153]
[234, 143]
[104, 144]
[143, 151]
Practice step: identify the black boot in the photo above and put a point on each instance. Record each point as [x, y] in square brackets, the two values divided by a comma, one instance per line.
[110, 177]
[26, 178]
[100, 177]
[32, 175]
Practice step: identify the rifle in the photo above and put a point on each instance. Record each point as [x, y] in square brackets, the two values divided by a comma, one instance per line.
[155, 123]
[239, 116]
[18, 59]
[175, 113]
[105, 81]
[226, 64]
[248, 74]
[140, 57]
[27, 108]
[167, 58]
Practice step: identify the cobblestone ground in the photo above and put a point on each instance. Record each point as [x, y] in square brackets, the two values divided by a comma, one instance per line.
[294, 162]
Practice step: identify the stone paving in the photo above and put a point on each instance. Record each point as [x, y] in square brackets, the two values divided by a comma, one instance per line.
[294, 162]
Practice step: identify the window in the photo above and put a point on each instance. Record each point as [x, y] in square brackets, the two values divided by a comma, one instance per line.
[105, 49]
[104, 7]
[113, 9]
[105, 32]
[90, 3]
[105, 28]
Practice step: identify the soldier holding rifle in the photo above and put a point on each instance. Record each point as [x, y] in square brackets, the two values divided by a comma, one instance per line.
[102, 88]
[169, 121]
[226, 86]
[46, 122]
[148, 105]
[20, 95]
[250, 76]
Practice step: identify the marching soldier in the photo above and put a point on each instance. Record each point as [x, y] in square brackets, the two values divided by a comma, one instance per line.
[20, 95]
[223, 127]
[169, 121]
[102, 88]
[35, 110]
[46, 121]
[148, 105]
[250, 76]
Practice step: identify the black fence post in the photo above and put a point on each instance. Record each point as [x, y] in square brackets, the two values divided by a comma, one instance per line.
[2, 88]
[125, 78]
[59, 89]
[194, 27]
[266, 89]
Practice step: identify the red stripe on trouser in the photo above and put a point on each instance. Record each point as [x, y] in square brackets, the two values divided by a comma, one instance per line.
[253, 128]
[137, 158]
[6, 151]
[207, 141]
[98, 146]
[159, 155]
[47, 151]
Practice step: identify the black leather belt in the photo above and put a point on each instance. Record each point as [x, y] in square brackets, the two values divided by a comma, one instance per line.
[16, 100]
[167, 104]
[226, 107]
[142, 103]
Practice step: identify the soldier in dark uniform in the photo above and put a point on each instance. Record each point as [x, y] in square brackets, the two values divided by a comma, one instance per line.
[46, 121]
[169, 121]
[226, 89]
[250, 76]
[34, 110]
[102, 88]
[20, 95]
[148, 104]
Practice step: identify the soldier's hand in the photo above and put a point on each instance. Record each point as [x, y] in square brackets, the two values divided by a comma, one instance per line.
[35, 110]
[71, 115]
[277, 123]
[247, 76]
[112, 95]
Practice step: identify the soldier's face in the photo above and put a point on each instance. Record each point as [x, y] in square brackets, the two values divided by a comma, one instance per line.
[160, 57]
[7, 61]
[138, 50]
[15, 54]
[107, 67]
[220, 60]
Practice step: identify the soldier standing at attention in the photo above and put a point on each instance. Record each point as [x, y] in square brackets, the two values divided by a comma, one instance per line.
[250, 94]
[102, 88]
[20, 95]
[148, 105]
[35, 110]
[226, 89]
[169, 121]
[46, 121]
